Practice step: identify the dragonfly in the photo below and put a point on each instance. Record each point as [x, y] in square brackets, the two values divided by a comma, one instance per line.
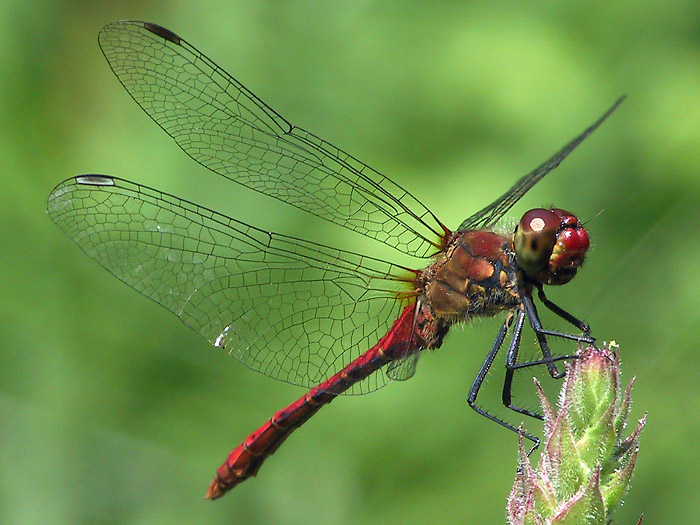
[325, 318]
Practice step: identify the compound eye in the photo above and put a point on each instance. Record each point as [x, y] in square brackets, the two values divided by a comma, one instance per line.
[534, 239]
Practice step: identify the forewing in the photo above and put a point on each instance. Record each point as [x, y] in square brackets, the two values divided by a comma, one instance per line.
[225, 127]
[492, 213]
[294, 310]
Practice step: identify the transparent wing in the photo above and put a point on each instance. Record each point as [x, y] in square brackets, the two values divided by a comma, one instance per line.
[291, 309]
[492, 213]
[403, 368]
[226, 128]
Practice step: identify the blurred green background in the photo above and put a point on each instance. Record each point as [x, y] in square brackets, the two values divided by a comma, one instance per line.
[112, 411]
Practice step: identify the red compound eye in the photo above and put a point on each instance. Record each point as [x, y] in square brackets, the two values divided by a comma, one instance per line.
[550, 245]
[534, 239]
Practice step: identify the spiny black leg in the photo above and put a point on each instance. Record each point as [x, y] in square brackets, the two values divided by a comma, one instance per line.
[541, 334]
[581, 325]
[481, 375]
[529, 309]
[511, 366]
[518, 366]
[478, 381]
[578, 338]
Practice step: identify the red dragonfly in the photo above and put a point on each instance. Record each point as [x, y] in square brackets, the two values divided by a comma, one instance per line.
[293, 309]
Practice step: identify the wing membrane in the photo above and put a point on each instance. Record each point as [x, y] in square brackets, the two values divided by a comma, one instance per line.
[492, 213]
[285, 307]
[226, 128]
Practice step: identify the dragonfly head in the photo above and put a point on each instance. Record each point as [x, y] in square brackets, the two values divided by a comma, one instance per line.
[550, 245]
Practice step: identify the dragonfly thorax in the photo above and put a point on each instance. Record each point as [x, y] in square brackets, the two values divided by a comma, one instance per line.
[475, 276]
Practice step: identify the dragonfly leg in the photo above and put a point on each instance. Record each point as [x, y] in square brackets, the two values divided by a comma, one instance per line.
[542, 334]
[512, 366]
[483, 371]
[558, 310]
[518, 366]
